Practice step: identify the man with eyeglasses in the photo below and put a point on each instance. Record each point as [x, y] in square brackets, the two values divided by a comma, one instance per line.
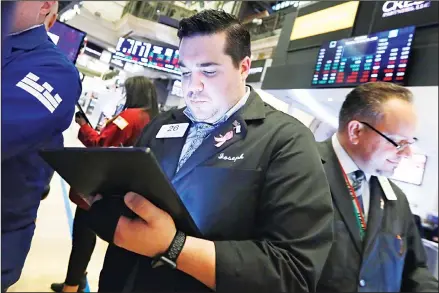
[377, 247]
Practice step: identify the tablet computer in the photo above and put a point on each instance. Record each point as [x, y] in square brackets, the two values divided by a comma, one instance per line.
[117, 171]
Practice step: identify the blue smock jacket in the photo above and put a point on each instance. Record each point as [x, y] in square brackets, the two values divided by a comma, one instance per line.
[40, 87]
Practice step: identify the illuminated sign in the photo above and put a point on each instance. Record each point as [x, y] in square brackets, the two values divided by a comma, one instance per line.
[285, 4]
[391, 8]
[148, 55]
[380, 56]
[324, 21]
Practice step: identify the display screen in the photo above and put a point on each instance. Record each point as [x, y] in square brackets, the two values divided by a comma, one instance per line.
[68, 39]
[411, 170]
[331, 19]
[381, 56]
[146, 54]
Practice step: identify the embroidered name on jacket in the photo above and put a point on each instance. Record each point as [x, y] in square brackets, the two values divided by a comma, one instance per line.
[41, 93]
[227, 158]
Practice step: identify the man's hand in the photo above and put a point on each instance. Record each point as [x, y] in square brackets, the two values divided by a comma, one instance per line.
[152, 233]
[149, 235]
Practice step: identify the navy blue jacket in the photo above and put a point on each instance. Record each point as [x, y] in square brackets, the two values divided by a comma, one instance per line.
[40, 87]
[391, 258]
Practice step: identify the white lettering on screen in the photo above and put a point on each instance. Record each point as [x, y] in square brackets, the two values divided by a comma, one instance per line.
[391, 8]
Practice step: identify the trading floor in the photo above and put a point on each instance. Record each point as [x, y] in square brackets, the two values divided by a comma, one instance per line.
[49, 254]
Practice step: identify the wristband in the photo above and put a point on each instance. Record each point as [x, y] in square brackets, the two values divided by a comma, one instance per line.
[169, 258]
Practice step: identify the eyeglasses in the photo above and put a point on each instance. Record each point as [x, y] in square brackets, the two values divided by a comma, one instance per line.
[398, 146]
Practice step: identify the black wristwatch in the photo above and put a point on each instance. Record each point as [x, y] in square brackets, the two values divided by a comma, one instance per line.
[169, 258]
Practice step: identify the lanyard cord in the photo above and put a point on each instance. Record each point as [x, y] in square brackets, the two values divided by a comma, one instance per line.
[358, 211]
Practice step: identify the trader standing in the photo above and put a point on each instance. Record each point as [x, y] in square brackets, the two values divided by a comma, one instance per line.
[249, 175]
[377, 247]
[40, 87]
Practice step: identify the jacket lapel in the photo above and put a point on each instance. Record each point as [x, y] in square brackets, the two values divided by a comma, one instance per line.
[254, 109]
[340, 194]
[376, 212]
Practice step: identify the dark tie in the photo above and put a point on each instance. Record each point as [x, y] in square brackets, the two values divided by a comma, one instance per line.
[357, 178]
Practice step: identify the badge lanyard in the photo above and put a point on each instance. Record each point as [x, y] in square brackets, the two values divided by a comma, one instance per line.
[361, 223]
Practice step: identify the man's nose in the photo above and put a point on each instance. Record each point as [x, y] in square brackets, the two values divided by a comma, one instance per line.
[196, 83]
[405, 151]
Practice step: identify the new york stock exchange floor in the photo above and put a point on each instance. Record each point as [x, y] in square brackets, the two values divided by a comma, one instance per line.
[49, 255]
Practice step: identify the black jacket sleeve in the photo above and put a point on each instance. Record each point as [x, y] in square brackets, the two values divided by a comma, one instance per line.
[294, 231]
[416, 276]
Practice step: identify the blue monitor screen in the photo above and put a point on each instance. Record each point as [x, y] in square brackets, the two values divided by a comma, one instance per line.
[380, 56]
[146, 54]
[67, 38]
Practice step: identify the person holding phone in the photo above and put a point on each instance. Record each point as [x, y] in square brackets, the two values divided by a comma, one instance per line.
[123, 129]
[140, 107]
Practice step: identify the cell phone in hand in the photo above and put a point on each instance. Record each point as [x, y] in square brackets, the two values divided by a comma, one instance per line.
[79, 114]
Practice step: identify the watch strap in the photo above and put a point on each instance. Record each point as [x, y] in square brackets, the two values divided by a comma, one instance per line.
[171, 255]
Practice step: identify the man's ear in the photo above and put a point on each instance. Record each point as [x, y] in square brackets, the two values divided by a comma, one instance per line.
[46, 7]
[245, 67]
[355, 129]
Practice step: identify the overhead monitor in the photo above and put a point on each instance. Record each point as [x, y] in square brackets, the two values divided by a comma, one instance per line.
[331, 19]
[147, 54]
[349, 62]
[67, 38]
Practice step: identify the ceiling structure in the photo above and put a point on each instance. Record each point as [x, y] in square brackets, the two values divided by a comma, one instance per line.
[109, 10]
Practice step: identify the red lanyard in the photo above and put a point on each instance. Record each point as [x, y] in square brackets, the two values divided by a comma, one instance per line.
[358, 211]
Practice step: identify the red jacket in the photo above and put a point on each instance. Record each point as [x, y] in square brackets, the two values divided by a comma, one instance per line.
[122, 129]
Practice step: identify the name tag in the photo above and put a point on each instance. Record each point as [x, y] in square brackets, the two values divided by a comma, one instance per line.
[172, 130]
[120, 122]
[387, 188]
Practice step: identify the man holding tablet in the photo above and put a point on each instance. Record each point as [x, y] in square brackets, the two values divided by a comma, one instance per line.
[250, 176]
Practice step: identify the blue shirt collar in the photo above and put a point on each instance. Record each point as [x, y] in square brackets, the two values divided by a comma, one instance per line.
[227, 115]
[28, 39]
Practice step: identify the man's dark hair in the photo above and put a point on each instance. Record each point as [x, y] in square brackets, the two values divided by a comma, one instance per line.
[365, 102]
[208, 22]
[141, 93]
